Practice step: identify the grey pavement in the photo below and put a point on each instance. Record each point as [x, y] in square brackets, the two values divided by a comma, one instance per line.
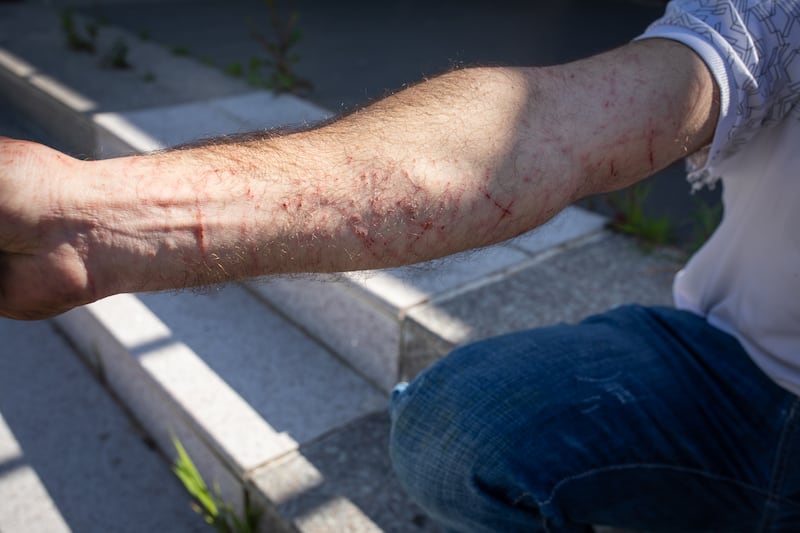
[70, 457]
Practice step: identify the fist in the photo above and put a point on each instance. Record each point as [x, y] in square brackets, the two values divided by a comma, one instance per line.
[43, 239]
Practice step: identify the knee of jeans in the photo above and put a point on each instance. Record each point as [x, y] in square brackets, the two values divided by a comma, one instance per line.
[431, 450]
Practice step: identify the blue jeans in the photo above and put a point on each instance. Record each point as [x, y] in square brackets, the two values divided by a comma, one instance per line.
[640, 418]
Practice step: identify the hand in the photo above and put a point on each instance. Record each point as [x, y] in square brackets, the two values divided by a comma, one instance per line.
[43, 246]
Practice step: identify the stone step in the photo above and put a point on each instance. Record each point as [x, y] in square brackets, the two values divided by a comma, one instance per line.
[246, 392]
[70, 458]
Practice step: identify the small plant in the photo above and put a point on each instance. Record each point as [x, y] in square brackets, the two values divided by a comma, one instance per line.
[253, 72]
[214, 510]
[144, 35]
[707, 218]
[91, 30]
[630, 218]
[148, 76]
[180, 51]
[235, 70]
[280, 56]
[117, 56]
[80, 41]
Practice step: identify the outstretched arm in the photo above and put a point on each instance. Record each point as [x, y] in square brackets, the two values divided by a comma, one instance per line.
[467, 159]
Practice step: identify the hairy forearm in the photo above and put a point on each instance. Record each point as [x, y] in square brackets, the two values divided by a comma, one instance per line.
[466, 159]
[402, 181]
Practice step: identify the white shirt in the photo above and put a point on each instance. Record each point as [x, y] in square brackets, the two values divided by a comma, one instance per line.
[746, 278]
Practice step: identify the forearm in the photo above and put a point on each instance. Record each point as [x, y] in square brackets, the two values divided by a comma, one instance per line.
[460, 161]
[402, 181]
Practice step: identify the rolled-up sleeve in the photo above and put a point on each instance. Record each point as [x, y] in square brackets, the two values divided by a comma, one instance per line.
[752, 49]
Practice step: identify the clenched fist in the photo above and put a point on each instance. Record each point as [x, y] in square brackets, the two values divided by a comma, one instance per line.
[43, 236]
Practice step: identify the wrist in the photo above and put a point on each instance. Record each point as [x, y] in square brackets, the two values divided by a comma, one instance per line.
[172, 220]
[144, 227]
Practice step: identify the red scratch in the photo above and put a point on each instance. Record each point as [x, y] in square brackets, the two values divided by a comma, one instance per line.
[506, 210]
[199, 233]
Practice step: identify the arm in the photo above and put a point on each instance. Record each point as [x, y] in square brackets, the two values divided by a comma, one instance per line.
[467, 159]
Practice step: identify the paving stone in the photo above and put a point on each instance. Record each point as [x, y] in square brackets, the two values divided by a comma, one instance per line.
[572, 223]
[26, 505]
[103, 334]
[357, 328]
[354, 55]
[342, 482]
[405, 287]
[265, 109]
[70, 459]
[74, 131]
[359, 314]
[587, 278]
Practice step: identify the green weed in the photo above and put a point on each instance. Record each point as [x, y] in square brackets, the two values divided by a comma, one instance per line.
[630, 216]
[281, 58]
[214, 510]
[235, 70]
[180, 51]
[117, 56]
[706, 219]
[80, 41]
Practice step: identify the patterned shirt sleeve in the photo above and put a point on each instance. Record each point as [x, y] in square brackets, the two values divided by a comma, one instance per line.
[753, 50]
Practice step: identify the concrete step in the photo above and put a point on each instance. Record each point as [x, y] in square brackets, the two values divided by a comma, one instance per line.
[241, 387]
[277, 387]
[70, 458]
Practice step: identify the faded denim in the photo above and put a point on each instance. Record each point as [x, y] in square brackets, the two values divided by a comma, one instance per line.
[641, 418]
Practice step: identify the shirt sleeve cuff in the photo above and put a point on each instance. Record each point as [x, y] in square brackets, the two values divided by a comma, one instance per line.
[702, 164]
